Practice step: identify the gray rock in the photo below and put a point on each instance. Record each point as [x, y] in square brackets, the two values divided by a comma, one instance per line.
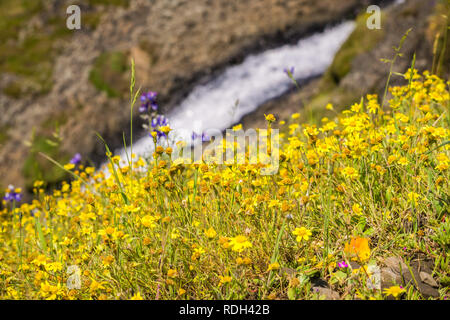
[395, 264]
[397, 272]
[328, 293]
[428, 279]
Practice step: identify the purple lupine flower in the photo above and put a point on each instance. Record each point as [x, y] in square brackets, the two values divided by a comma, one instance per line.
[76, 159]
[12, 194]
[290, 71]
[194, 136]
[148, 101]
[343, 264]
[205, 137]
[158, 122]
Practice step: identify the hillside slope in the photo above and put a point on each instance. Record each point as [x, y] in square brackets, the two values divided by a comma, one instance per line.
[76, 82]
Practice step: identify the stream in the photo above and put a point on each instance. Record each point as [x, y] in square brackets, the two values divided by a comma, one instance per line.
[242, 88]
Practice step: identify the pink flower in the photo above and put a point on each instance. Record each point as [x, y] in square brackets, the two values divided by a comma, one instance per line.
[343, 264]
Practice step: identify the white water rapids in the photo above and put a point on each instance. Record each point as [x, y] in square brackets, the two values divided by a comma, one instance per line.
[257, 79]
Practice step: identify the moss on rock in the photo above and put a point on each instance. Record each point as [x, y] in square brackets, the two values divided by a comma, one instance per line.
[37, 167]
[109, 73]
[31, 57]
[13, 90]
[3, 136]
[361, 40]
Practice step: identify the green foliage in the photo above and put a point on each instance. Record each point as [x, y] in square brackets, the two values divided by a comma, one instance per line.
[109, 73]
[338, 96]
[361, 40]
[90, 20]
[13, 90]
[56, 120]
[351, 190]
[3, 135]
[38, 168]
[443, 234]
[14, 14]
[32, 57]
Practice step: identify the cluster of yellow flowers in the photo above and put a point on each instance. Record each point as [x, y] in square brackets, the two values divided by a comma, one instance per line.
[370, 182]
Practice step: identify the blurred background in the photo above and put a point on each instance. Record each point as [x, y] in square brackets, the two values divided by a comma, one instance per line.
[59, 86]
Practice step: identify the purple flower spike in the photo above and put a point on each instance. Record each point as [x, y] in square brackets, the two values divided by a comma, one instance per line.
[76, 159]
[148, 100]
[11, 195]
[343, 264]
[158, 122]
[290, 71]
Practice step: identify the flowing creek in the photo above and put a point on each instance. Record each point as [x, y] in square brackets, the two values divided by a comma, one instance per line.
[242, 88]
